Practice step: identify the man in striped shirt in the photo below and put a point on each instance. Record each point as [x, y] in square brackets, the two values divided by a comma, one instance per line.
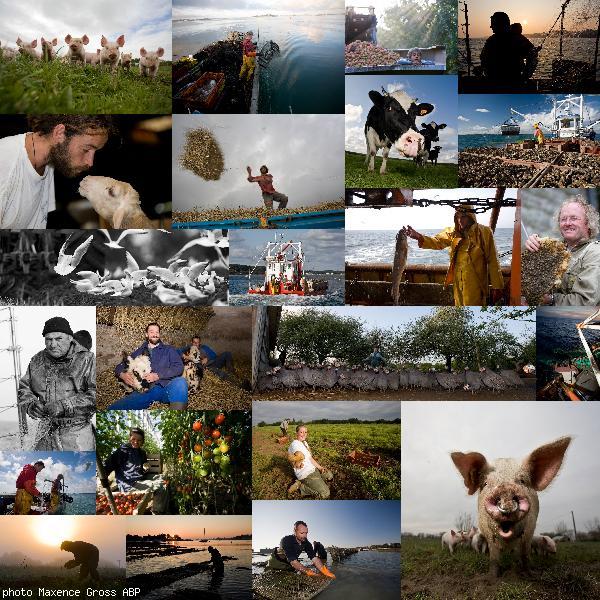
[265, 181]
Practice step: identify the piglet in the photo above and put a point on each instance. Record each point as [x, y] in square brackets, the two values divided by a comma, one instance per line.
[508, 502]
[110, 52]
[76, 52]
[7, 53]
[92, 58]
[48, 51]
[452, 538]
[28, 49]
[478, 543]
[126, 61]
[149, 62]
[542, 544]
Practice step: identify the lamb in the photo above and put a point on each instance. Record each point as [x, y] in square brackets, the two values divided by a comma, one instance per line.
[76, 52]
[139, 367]
[149, 62]
[110, 52]
[115, 201]
[28, 49]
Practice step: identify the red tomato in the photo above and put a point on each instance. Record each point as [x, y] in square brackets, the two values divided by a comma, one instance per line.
[197, 426]
[216, 434]
[197, 448]
[228, 438]
[220, 419]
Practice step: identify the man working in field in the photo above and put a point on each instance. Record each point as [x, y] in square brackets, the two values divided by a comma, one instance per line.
[285, 556]
[265, 181]
[579, 224]
[65, 143]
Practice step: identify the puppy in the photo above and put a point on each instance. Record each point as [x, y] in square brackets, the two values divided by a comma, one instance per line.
[115, 201]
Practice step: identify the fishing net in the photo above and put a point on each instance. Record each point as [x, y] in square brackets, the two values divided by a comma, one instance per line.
[277, 584]
[540, 270]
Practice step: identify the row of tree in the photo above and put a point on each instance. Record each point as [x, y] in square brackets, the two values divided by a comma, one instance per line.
[449, 337]
[351, 421]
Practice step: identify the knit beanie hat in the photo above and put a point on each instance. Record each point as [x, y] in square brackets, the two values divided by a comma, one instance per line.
[57, 325]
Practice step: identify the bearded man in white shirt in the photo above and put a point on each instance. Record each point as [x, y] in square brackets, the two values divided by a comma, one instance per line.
[65, 143]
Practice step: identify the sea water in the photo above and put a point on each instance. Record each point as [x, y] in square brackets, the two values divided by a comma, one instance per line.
[488, 140]
[379, 247]
[235, 585]
[308, 76]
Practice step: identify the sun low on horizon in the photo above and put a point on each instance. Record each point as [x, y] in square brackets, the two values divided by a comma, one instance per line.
[50, 532]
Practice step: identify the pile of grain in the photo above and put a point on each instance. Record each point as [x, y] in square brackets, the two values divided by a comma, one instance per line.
[241, 212]
[365, 54]
[542, 269]
[202, 155]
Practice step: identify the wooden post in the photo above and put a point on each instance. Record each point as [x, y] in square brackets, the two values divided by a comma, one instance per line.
[467, 40]
[496, 210]
[597, 41]
[515, 272]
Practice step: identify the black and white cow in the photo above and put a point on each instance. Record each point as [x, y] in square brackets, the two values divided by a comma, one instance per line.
[431, 133]
[391, 121]
[434, 153]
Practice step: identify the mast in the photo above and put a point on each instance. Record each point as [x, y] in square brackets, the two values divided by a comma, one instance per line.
[16, 356]
[467, 40]
[562, 28]
[597, 41]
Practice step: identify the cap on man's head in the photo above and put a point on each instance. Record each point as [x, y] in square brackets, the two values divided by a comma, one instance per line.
[57, 325]
[84, 338]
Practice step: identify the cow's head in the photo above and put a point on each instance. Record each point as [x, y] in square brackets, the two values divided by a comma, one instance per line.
[399, 112]
[431, 131]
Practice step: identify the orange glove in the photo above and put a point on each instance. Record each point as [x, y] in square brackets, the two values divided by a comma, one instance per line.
[310, 573]
[327, 572]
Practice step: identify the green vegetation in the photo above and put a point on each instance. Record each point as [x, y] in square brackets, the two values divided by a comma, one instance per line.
[401, 173]
[421, 24]
[428, 573]
[272, 474]
[450, 334]
[28, 86]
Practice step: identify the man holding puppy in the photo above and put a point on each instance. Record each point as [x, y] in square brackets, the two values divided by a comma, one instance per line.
[65, 143]
[311, 476]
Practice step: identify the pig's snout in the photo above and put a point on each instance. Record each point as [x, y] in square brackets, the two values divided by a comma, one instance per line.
[112, 56]
[410, 143]
[507, 507]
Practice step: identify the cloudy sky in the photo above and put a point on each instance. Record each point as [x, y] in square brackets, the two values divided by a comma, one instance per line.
[536, 16]
[429, 217]
[433, 492]
[144, 23]
[484, 113]
[343, 523]
[302, 152]
[271, 412]
[29, 326]
[439, 90]
[193, 9]
[79, 469]
[323, 248]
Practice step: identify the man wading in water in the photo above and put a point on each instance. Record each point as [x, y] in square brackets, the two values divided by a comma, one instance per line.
[265, 181]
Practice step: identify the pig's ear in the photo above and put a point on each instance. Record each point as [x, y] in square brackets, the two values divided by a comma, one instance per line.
[54, 41]
[143, 51]
[544, 462]
[452, 532]
[470, 466]
[34, 44]
[85, 39]
[68, 38]
[121, 40]
[103, 41]
[160, 51]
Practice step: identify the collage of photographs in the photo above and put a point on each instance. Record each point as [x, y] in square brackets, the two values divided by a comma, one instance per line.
[214, 322]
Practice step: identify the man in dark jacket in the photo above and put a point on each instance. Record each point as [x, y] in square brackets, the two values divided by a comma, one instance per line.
[59, 389]
[127, 461]
[86, 556]
[166, 383]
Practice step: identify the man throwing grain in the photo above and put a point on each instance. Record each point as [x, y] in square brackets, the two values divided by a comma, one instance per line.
[265, 182]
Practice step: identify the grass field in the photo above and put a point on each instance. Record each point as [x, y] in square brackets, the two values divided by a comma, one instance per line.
[430, 574]
[28, 86]
[401, 173]
[331, 443]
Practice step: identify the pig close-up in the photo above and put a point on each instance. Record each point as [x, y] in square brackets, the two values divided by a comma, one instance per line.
[110, 53]
[76, 51]
[28, 49]
[508, 504]
[452, 538]
[126, 60]
[149, 62]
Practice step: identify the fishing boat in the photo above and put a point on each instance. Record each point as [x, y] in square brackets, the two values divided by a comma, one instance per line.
[7, 502]
[566, 75]
[423, 284]
[209, 82]
[284, 272]
[510, 127]
[568, 118]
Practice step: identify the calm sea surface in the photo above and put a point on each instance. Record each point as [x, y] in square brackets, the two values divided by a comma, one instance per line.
[235, 585]
[479, 140]
[308, 76]
[573, 49]
[379, 247]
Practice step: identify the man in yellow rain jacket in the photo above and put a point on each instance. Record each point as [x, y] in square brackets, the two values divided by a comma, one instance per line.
[474, 264]
[26, 489]
[248, 57]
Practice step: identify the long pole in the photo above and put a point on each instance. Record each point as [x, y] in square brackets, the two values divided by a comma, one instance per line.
[562, 20]
[596, 51]
[467, 40]
[574, 528]
[21, 411]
